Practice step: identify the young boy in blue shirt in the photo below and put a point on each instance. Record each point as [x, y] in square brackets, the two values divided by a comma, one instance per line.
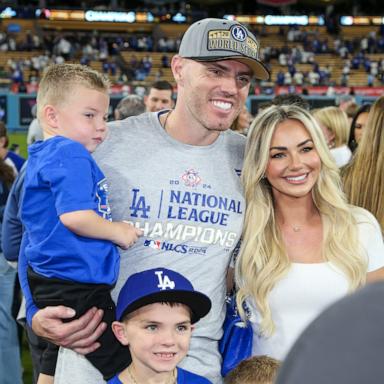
[155, 312]
[69, 251]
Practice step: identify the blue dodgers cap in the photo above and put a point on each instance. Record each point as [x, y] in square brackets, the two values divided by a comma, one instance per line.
[160, 285]
[220, 39]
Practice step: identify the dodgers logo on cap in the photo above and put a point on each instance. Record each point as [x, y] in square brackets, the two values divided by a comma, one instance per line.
[164, 281]
[238, 32]
[220, 39]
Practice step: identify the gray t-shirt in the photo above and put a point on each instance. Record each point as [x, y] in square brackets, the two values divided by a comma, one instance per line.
[188, 201]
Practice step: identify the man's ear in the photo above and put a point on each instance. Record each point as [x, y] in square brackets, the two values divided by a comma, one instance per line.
[177, 65]
[49, 114]
[118, 329]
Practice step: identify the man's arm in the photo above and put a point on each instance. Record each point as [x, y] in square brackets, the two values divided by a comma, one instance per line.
[88, 223]
[12, 229]
[23, 278]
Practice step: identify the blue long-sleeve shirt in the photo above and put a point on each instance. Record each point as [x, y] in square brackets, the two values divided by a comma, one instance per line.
[12, 228]
[31, 308]
[12, 234]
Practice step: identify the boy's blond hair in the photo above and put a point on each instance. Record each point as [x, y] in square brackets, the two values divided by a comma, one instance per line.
[255, 370]
[59, 80]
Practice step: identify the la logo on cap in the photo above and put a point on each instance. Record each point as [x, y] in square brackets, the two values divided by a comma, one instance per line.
[164, 281]
[238, 33]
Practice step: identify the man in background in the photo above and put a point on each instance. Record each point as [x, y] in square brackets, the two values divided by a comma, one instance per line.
[159, 96]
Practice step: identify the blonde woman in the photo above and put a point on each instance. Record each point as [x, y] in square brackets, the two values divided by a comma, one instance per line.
[303, 246]
[364, 176]
[334, 124]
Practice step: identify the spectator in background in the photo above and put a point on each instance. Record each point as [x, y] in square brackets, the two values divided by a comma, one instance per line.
[357, 126]
[165, 61]
[363, 177]
[131, 105]
[343, 101]
[351, 110]
[11, 158]
[242, 121]
[334, 124]
[159, 96]
[280, 77]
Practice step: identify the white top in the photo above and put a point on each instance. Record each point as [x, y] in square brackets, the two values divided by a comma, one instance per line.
[307, 289]
[341, 155]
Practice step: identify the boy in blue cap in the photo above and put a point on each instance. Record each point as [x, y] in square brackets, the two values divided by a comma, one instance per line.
[156, 310]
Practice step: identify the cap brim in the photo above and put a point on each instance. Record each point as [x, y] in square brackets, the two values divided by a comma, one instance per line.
[259, 70]
[199, 303]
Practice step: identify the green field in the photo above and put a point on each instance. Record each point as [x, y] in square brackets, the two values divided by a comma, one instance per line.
[21, 139]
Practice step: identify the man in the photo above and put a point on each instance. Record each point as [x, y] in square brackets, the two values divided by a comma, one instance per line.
[178, 180]
[131, 105]
[159, 96]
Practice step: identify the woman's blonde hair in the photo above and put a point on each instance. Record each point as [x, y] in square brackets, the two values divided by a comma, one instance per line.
[364, 176]
[263, 259]
[336, 121]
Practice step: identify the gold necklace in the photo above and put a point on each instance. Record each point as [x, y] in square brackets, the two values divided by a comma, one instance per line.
[166, 119]
[172, 379]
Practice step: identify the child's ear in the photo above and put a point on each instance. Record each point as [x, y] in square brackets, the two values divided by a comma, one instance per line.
[119, 331]
[49, 113]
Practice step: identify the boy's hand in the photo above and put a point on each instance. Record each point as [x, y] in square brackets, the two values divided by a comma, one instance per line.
[126, 234]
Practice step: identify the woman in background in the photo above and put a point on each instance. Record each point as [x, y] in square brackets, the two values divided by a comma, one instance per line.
[357, 126]
[364, 177]
[334, 124]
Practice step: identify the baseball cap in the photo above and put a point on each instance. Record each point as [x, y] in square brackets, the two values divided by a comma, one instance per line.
[160, 285]
[219, 39]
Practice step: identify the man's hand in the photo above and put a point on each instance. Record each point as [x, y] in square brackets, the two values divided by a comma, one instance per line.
[80, 334]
